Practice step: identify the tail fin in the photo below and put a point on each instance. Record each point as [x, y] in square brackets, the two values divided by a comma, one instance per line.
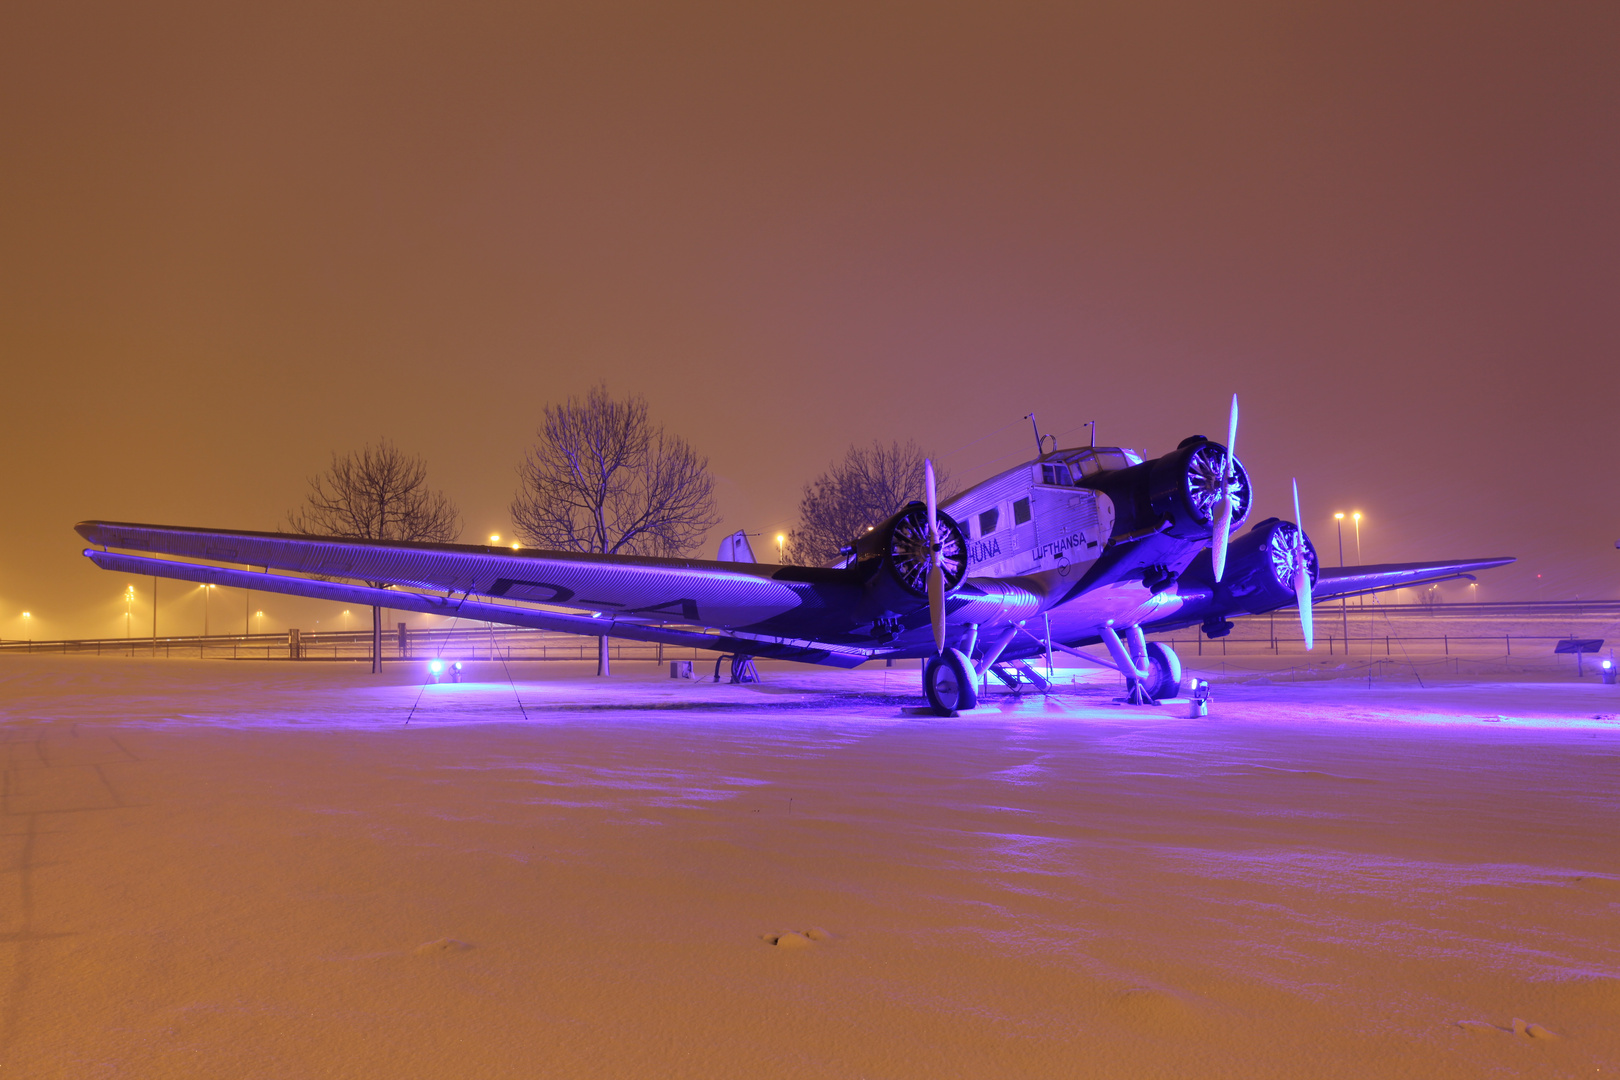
[734, 548]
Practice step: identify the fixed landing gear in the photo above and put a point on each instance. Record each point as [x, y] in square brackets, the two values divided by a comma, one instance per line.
[1163, 680]
[1152, 670]
[950, 682]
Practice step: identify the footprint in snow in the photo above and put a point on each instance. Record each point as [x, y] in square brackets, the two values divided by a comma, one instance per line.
[1520, 1027]
[794, 939]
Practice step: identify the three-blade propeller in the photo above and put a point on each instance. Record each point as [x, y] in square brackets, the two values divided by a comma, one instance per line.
[1223, 507]
[1302, 576]
[936, 572]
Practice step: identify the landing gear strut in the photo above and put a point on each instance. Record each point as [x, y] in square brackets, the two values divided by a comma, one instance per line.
[1163, 676]
[950, 682]
[1152, 670]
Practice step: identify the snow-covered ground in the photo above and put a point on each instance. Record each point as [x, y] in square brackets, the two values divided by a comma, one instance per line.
[262, 869]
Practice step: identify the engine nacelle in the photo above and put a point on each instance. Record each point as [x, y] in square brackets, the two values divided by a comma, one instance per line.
[1259, 575]
[1260, 566]
[892, 561]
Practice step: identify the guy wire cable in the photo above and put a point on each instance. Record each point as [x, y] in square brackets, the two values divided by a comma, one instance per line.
[439, 655]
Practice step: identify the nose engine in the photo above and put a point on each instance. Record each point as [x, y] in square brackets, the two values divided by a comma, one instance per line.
[1184, 487]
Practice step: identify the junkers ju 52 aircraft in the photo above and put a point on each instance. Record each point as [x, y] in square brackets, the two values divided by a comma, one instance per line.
[1077, 547]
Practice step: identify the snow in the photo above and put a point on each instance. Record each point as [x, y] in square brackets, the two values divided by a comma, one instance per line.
[262, 869]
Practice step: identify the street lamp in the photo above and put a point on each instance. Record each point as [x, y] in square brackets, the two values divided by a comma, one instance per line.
[28, 623]
[1361, 601]
[208, 590]
[1344, 608]
[494, 538]
[781, 544]
[129, 604]
[260, 616]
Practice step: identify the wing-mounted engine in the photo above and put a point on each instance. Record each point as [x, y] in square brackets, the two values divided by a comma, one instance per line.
[892, 562]
[1261, 567]
[1260, 577]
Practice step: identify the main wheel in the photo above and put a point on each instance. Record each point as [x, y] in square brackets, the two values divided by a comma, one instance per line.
[950, 683]
[1164, 671]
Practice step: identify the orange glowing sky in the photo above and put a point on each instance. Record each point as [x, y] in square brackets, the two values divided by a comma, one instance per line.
[233, 241]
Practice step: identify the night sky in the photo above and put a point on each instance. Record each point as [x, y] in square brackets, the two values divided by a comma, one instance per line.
[234, 241]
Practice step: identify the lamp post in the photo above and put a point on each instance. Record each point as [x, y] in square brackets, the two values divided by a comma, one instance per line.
[129, 607]
[28, 625]
[1344, 608]
[207, 592]
[781, 546]
[260, 616]
[1361, 601]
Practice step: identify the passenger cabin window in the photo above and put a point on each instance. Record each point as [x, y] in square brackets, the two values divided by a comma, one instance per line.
[1056, 473]
[1020, 511]
[987, 521]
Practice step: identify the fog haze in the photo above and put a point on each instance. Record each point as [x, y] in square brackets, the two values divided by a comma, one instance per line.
[234, 242]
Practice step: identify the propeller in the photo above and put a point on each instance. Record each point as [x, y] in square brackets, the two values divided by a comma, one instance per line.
[936, 572]
[1302, 578]
[1223, 508]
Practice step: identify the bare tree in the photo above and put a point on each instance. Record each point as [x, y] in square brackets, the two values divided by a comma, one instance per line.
[603, 477]
[871, 483]
[376, 493]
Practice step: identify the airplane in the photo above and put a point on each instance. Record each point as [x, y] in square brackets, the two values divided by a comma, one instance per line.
[1074, 548]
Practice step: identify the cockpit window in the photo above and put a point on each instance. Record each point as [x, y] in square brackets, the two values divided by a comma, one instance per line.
[1056, 472]
[1088, 462]
[987, 521]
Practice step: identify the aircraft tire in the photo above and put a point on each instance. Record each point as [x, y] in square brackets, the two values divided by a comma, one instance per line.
[950, 683]
[1164, 671]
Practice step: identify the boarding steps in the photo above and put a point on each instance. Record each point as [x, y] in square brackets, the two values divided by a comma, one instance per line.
[1017, 674]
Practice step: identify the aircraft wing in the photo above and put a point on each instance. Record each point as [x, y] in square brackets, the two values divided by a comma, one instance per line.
[1343, 581]
[786, 612]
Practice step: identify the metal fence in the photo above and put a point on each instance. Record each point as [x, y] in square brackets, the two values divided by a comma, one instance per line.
[461, 643]
[1459, 637]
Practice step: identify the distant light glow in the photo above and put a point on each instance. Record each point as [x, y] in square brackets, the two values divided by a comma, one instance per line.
[435, 666]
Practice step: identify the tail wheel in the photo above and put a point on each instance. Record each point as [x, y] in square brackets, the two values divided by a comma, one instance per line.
[951, 683]
[1164, 671]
